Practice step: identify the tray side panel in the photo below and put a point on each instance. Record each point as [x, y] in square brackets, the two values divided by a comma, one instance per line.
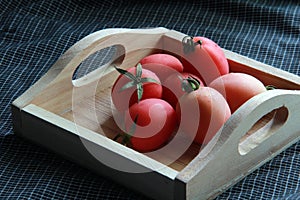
[70, 146]
[269, 75]
[16, 119]
[224, 166]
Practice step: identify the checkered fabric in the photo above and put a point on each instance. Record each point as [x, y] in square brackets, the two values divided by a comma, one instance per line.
[34, 33]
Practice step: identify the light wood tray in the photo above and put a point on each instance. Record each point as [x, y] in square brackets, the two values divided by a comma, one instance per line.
[73, 117]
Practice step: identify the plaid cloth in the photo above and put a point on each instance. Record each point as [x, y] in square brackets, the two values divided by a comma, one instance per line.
[33, 34]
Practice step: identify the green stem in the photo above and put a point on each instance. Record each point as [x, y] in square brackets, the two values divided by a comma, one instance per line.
[189, 84]
[126, 138]
[136, 80]
[189, 44]
[117, 136]
[270, 87]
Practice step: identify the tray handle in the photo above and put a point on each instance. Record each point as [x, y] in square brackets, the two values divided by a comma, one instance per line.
[58, 79]
[102, 39]
[221, 163]
[129, 39]
[285, 102]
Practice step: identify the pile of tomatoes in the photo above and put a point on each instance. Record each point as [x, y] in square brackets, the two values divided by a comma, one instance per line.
[164, 92]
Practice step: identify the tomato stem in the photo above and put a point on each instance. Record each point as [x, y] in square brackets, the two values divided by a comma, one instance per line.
[189, 44]
[189, 84]
[117, 136]
[136, 80]
[270, 87]
[126, 138]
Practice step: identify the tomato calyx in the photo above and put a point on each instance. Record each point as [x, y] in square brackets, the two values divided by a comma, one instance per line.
[189, 44]
[126, 137]
[189, 84]
[136, 80]
[270, 87]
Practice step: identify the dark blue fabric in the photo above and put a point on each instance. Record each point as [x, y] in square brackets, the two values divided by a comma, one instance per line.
[33, 34]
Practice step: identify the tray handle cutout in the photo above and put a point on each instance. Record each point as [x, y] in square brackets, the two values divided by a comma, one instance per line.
[263, 129]
[85, 51]
[96, 63]
[261, 123]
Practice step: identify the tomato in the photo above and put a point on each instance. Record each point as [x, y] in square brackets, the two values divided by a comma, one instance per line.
[122, 98]
[172, 87]
[155, 123]
[204, 58]
[202, 113]
[189, 68]
[163, 65]
[237, 88]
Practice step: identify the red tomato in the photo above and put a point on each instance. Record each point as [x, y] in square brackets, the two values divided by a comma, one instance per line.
[163, 65]
[122, 100]
[189, 68]
[172, 87]
[237, 88]
[156, 122]
[202, 113]
[205, 59]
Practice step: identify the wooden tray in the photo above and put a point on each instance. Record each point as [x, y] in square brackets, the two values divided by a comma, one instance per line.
[73, 117]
